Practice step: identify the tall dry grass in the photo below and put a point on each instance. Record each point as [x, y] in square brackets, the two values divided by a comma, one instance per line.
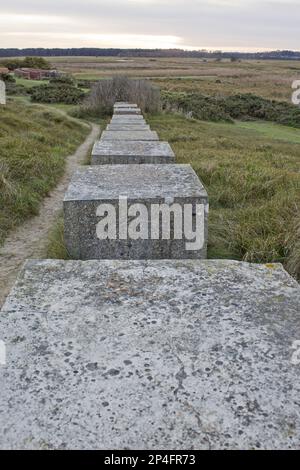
[105, 93]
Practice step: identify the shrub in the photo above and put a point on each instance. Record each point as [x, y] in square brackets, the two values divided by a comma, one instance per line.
[56, 94]
[28, 62]
[63, 80]
[36, 63]
[106, 92]
[17, 90]
[7, 78]
[228, 108]
[195, 105]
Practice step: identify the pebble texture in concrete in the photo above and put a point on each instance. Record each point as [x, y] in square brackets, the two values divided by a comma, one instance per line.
[129, 135]
[150, 355]
[142, 184]
[110, 152]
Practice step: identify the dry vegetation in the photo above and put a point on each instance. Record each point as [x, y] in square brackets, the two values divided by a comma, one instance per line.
[253, 184]
[34, 142]
[105, 93]
[270, 79]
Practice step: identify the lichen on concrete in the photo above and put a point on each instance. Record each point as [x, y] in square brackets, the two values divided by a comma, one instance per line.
[148, 355]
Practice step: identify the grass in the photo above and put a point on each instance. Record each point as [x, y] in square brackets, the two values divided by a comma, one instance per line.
[30, 83]
[34, 142]
[56, 248]
[253, 184]
[272, 131]
[270, 79]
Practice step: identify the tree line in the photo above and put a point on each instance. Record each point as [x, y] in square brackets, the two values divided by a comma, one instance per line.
[155, 53]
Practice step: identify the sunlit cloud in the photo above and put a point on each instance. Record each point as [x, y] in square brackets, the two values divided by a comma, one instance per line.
[98, 40]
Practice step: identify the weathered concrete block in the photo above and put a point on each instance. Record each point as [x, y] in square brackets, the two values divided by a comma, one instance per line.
[128, 119]
[128, 122]
[129, 135]
[109, 152]
[136, 355]
[125, 105]
[128, 116]
[150, 185]
[128, 127]
[2, 92]
[121, 111]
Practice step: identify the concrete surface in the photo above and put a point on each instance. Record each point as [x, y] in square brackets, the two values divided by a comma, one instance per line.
[129, 135]
[150, 355]
[116, 152]
[140, 184]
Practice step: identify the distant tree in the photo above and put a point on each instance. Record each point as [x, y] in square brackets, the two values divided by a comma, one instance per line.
[28, 62]
[36, 63]
[12, 64]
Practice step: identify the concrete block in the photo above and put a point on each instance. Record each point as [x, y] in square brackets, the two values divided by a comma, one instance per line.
[127, 118]
[128, 122]
[128, 127]
[150, 185]
[129, 135]
[125, 105]
[121, 111]
[107, 152]
[145, 355]
[2, 92]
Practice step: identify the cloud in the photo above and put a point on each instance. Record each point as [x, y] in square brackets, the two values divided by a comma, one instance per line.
[225, 24]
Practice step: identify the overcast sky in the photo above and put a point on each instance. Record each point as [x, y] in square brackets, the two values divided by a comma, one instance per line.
[189, 24]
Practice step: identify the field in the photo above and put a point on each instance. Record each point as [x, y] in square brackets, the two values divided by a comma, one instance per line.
[250, 168]
[270, 79]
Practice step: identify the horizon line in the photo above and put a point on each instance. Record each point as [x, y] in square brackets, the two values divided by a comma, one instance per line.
[181, 49]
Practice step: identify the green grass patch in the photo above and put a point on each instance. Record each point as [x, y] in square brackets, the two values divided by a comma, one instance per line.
[30, 83]
[34, 142]
[272, 131]
[253, 184]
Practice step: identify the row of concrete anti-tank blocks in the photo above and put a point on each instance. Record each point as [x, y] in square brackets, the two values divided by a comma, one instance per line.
[131, 167]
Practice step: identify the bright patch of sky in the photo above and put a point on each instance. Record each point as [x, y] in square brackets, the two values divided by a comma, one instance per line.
[188, 24]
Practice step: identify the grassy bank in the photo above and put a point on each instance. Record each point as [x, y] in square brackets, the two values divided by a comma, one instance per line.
[34, 142]
[253, 184]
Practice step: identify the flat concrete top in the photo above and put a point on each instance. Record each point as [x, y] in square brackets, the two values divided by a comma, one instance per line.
[121, 111]
[137, 182]
[128, 122]
[128, 127]
[129, 135]
[125, 105]
[131, 116]
[126, 117]
[144, 148]
[150, 355]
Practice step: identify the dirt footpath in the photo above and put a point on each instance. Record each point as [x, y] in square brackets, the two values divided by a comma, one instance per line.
[30, 239]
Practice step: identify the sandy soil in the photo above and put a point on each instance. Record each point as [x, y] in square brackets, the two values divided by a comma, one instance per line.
[30, 239]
